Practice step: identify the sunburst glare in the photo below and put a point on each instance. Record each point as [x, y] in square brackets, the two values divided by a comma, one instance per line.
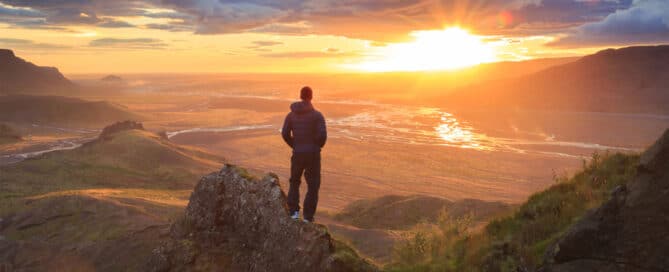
[450, 48]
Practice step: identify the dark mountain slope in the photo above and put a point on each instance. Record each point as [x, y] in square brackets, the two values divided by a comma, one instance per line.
[633, 79]
[20, 76]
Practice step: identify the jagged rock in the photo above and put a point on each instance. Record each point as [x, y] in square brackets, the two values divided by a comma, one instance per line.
[118, 127]
[239, 223]
[630, 232]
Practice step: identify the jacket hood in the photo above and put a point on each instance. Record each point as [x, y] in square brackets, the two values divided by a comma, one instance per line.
[301, 107]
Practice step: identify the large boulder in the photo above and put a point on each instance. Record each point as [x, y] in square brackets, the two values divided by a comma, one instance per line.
[236, 222]
[630, 232]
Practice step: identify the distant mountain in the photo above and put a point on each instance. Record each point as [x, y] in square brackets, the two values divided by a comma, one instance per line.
[20, 76]
[111, 78]
[632, 79]
[58, 110]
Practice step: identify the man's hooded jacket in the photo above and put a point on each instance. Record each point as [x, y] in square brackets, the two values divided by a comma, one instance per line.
[304, 128]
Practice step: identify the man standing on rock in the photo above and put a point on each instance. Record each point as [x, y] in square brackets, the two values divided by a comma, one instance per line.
[304, 131]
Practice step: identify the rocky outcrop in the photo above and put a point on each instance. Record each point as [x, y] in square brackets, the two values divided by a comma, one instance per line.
[118, 127]
[630, 232]
[234, 222]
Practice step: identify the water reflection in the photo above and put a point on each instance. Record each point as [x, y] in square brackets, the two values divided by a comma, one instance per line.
[432, 126]
[409, 125]
[451, 131]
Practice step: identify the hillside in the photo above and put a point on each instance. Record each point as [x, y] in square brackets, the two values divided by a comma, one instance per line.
[19, 76]
[137, 227]
[403, 212]
[120, 191]
[61, 111]
[632, 79]
[520, 241]
[629, 231]
[132, 158]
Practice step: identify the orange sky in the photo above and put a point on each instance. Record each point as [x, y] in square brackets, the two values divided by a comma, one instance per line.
[75, 46]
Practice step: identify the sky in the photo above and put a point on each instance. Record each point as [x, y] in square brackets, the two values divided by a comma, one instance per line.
[293, 36]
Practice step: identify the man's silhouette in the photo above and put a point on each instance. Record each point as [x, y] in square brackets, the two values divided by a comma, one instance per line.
[304, 130]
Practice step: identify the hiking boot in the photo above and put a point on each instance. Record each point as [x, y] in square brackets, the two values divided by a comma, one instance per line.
[295, 216]
[307, 220]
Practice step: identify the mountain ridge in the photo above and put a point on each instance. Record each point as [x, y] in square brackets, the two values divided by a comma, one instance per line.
[20, 76]
[631, 79]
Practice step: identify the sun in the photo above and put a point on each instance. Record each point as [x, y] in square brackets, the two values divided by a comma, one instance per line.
[446, 49]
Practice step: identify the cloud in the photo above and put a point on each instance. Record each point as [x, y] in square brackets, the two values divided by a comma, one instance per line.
[80, 12]
[7, 10]
[391, 20]
[380, 21]
[28, 44]
[111, 23]
[309, 54]
[263, 46]
[647, 21]
[136, 43]
[174, 27]
[266, 43]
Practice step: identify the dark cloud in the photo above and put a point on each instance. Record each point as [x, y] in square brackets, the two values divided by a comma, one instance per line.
[6, 10]
[381, 21]
[136, 43]
[174, 27]
[167, 15]
[67, 12]
[647, 21]
[115, 24]
[391, 20]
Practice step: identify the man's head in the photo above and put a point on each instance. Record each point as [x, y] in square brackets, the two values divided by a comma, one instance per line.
[306, 93]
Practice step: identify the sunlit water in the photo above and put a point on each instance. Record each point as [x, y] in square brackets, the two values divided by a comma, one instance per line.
[432, 126]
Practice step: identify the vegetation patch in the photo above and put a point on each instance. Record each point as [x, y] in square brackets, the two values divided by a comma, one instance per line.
[520, 240]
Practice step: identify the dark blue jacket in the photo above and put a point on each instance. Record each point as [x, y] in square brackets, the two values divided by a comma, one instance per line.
[304, 128]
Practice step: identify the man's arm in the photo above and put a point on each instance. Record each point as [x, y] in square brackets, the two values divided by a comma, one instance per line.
[286, 131]
[322, 130]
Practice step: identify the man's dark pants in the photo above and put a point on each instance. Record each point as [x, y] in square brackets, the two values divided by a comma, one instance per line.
[308, 163]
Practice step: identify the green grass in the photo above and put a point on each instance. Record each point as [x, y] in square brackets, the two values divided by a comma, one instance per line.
[131, 159]
[521, 239]
[346, 255]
